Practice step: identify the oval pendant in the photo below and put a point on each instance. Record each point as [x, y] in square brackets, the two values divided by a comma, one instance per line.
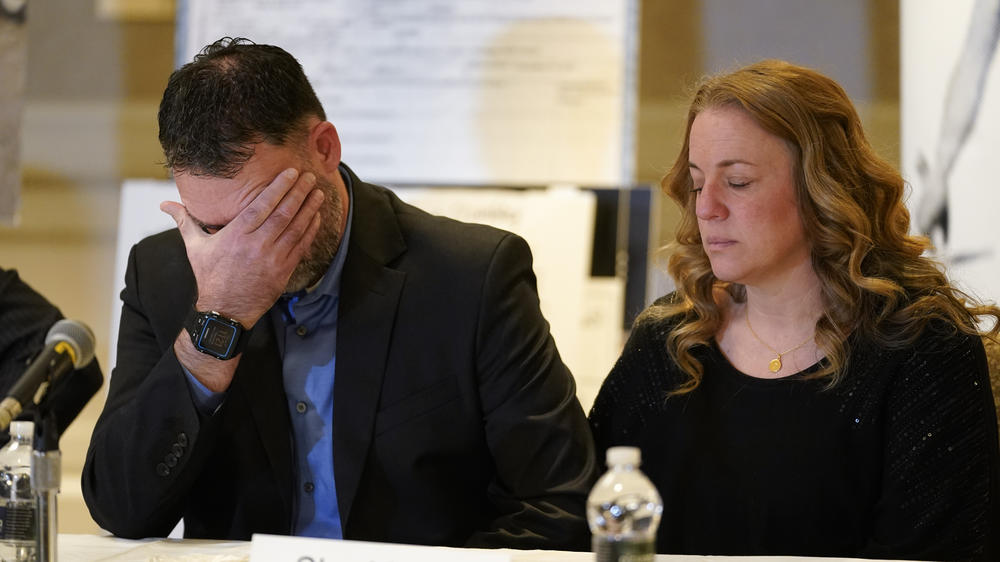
[775, 365]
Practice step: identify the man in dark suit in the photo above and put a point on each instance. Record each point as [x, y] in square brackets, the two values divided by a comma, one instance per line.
[25, 320]
[308, 355]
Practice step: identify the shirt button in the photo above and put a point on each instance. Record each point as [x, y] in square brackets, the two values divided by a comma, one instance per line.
[301, 330]
[301, 407]
[308, 487]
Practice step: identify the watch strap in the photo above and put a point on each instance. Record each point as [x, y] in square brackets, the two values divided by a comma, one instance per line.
[197, 324]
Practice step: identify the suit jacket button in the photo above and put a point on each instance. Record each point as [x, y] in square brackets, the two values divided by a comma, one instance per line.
[182, 439]
[162, 469]
[170, 459]
[177, 449]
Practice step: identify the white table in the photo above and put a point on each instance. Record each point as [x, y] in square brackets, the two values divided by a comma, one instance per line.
[92, 548]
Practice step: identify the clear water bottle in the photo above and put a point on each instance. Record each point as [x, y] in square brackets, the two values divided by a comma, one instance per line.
[18, 507]
[624, 510]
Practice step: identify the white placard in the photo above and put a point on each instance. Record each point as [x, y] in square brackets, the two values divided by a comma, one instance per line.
[274, 548]
[439, 92]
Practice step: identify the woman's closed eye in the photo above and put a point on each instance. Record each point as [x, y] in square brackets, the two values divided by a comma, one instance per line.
[735, 184]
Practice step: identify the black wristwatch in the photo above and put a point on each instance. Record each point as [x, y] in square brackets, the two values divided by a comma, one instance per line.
[214, 334]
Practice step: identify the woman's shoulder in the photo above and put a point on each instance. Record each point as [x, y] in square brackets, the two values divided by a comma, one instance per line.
[639, 383]
[645, 364]
[940, 347]
[947, 343]
[659, 318]
[942, 361]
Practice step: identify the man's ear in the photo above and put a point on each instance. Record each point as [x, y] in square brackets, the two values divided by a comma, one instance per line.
[324, 143]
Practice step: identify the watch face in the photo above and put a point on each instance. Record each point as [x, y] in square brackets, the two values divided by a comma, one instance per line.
[218, 337]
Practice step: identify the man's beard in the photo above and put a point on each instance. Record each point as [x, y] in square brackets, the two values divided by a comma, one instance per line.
[320, 254]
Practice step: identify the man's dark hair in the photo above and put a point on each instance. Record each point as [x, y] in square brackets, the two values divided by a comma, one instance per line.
[233, 95]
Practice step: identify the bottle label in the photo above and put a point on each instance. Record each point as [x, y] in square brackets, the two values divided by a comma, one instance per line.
[625, 550]
[17, 521]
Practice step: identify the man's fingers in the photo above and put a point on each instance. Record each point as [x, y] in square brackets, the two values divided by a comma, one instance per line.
[179, 213]
[301, 222]
[289, 207]
[258, 211]
[175, 210]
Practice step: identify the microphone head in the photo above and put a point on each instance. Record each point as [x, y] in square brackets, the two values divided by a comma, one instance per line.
[78, 336]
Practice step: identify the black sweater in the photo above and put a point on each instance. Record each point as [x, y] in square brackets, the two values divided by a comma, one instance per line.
[25, 319]
[898, 461]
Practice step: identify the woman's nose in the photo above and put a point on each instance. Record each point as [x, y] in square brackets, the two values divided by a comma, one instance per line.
[709, 204]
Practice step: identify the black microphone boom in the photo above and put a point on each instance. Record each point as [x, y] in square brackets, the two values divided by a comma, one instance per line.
[69, 345]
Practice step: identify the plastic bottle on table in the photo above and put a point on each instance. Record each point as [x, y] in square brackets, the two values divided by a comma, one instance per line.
[624, 510]
[18, 507]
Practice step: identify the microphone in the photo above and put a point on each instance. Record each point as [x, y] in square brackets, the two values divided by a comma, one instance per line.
[69, 345]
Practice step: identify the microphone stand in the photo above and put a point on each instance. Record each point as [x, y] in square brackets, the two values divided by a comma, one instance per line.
[46, 473]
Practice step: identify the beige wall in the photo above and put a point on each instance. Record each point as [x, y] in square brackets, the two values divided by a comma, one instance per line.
[671, 62]
[90, 121]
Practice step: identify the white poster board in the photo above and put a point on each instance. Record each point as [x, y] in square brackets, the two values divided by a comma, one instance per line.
[950, 94]
[139, 216]
[438, 92]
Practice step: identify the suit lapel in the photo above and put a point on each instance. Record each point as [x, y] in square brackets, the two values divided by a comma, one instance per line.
[369, 295]
[259, 379]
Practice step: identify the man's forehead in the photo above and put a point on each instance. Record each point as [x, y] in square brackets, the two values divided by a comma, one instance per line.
[265, 159]
[213, 201]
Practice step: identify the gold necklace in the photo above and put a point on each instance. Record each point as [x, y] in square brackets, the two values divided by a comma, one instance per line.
[775, 364]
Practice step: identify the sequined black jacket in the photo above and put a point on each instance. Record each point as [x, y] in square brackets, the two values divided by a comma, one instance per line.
[898, 461]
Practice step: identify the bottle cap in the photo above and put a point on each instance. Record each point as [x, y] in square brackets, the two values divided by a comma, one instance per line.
[22, 428]
[624, 455]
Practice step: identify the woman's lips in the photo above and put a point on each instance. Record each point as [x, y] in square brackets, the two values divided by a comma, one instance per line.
[718, 243]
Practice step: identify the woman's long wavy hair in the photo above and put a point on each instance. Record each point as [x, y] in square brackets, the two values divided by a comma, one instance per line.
[876, 282]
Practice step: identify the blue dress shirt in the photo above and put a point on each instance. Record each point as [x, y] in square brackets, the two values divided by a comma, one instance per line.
[306, 330]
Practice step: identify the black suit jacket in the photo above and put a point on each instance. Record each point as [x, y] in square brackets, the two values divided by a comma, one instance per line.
[25, 319]
[455, 421]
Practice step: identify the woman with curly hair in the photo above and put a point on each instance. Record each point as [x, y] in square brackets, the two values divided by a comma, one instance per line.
[815, 385]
